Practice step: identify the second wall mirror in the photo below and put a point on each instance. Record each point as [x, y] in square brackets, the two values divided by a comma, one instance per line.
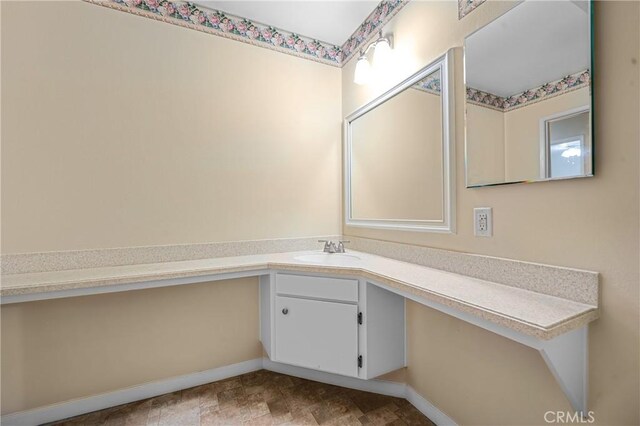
[399, 160]
[528, 114]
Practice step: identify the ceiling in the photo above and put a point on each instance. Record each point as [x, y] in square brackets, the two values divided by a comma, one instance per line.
[329, 21]
[536, 42]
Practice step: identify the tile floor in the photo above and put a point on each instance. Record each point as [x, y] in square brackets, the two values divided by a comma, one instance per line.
[260, 398]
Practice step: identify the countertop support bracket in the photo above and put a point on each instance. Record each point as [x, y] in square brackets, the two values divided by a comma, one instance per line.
[566, 355]
[567, 358]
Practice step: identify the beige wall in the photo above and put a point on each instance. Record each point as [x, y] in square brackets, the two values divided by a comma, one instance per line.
[485, 151]
[396, 166]
[61, 349]
[122, 131]
[479, 378]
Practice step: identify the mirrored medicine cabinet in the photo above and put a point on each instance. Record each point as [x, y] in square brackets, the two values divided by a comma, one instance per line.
[528, 103]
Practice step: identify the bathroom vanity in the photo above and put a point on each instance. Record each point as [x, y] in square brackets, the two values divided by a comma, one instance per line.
[344, 313]
[342, 325]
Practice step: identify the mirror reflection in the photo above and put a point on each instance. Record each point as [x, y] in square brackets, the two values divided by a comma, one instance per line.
[396, 168]
[528, 95]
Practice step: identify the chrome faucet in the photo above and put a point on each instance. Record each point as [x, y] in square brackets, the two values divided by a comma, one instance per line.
[331, 247]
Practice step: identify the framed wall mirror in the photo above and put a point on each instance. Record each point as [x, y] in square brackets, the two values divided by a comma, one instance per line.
[529, 103]
[399, 159]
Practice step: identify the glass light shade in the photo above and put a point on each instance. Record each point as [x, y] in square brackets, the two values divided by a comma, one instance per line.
[382, 53]
[363, 71]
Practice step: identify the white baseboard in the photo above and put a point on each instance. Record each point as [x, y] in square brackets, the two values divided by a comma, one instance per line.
[375, 386]
[76, 407]
[427, 408]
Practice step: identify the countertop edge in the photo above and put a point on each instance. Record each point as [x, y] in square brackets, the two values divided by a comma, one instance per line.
[509, 321]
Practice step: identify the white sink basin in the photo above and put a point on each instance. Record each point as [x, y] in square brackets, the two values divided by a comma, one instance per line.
[326, 257]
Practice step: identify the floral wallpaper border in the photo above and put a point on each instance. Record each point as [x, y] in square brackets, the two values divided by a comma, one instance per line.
[368, 30]
[429, 84]
[189, 15]
[536, 94]
[467, 6]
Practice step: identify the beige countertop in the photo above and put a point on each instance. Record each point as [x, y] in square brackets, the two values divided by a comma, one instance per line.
[531, 313]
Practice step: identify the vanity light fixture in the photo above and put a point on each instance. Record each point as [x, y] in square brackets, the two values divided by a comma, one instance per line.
[363, 70]
[381, 55]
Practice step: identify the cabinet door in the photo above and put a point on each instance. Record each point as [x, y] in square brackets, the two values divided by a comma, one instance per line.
[317, 334]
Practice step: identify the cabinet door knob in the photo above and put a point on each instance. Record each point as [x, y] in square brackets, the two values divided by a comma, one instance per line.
[285, 311]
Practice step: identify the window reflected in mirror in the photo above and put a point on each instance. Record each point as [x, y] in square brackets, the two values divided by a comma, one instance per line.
[566, 140]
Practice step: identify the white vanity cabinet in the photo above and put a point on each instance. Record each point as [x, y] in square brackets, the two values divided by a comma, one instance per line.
[340, 325]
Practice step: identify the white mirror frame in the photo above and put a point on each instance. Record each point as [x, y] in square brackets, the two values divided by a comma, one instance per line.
[447, 223]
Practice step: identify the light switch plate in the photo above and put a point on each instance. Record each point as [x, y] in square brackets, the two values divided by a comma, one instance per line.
[482, 222]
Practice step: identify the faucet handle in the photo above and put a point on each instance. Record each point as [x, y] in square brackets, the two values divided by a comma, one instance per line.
[327, 245]
[340, 248]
